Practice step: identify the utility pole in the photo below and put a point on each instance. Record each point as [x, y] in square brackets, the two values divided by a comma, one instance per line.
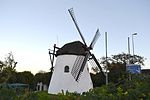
[129, 45]
[129, 50]
[129, 55]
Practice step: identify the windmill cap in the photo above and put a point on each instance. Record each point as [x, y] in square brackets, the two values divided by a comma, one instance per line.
[73, 48]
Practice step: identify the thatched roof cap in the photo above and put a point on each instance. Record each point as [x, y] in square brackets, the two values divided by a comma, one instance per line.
[73, 48]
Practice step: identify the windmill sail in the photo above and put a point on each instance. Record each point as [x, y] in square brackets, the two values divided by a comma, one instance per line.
[97, 63]
[82, 66]
[97, 35]
[75, 22]
[77, 66]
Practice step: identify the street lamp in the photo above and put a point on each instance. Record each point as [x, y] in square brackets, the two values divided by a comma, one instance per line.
[133, 42]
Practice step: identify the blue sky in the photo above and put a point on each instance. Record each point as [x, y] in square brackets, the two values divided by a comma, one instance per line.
[29, 28]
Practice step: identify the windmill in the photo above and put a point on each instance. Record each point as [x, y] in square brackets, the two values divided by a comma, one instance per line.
[71, 68]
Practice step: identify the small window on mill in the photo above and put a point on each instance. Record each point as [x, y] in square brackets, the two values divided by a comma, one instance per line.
[66, 69]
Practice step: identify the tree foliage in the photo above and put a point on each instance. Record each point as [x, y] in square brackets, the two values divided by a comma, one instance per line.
[25, 77]
[97, 79]
[117, 67]
[43, 77]
[7, 68]
[124, 58]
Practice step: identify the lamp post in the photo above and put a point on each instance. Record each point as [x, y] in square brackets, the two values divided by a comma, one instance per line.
[133, 42]
[130, 76]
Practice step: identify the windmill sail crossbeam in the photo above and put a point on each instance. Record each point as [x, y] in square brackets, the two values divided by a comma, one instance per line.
[52, 53]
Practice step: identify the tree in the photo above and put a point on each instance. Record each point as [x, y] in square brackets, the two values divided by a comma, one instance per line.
[127, 58]
[43, 77]
[1, 66]
[117, 65]
[7, 68]
[97, 79]
[25, 77]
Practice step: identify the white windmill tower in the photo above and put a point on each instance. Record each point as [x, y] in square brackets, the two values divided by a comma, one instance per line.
[71, 69]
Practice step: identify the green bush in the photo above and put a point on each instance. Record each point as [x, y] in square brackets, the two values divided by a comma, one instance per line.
[136, 89]
[7, 94]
